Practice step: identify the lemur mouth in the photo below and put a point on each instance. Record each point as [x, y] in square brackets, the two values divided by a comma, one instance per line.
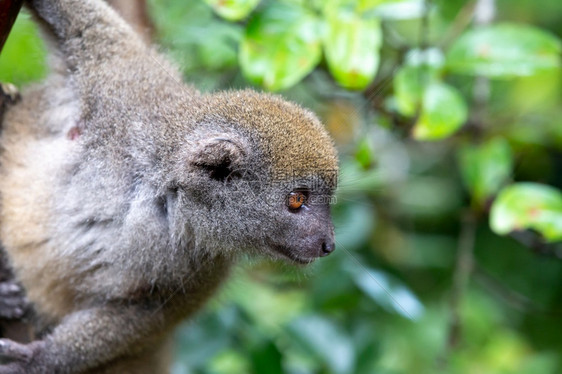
[287, 254]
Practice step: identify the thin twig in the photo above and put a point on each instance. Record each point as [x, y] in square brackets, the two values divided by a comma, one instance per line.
[484, 12]
[424, 26]
[459, 24]
[463, 269]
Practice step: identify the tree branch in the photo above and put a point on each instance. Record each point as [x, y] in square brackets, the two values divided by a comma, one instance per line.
[9, 10]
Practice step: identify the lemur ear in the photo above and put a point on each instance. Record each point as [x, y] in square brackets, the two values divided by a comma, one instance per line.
[219, 155]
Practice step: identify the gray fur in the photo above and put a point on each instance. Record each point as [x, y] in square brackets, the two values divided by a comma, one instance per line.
[115, 213]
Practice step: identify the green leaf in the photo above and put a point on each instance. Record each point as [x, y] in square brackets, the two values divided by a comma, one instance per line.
[352, 45]
[409, 84]
[528, 206]
[421, 69]
[281, 46]
[504, 50]
[408, 90]
[233, 10]
[443, 112]
[266, 358]
[367, 5]
[398, 9]
[387, 291]
[485, 167]
[229, 362]
[325, 340]
[266, 307]
[364, 154]
[23, 57]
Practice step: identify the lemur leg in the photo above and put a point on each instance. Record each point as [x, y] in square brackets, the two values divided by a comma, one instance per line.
[85, 340]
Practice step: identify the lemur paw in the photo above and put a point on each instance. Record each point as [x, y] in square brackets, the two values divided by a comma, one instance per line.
[13, 303]
[18, 356]
[9, 93]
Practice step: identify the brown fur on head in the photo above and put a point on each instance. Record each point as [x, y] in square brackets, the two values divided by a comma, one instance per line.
[291, 137]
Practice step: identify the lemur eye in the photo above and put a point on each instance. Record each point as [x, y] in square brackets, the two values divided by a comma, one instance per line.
[296, 200]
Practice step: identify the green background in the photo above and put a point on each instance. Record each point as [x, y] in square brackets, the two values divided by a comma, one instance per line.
[434, 117]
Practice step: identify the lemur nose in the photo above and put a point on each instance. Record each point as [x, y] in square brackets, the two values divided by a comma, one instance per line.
[327, 248]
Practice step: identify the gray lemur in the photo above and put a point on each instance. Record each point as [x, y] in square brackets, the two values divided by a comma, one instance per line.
[127, 195]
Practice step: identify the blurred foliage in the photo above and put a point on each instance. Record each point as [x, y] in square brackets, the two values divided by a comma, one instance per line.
[23, 56]
[528, 205]
[450, 135]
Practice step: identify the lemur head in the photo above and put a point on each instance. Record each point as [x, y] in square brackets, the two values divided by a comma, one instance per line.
[261, 175]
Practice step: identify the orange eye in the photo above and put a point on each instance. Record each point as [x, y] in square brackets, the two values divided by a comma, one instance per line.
[296, 200]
